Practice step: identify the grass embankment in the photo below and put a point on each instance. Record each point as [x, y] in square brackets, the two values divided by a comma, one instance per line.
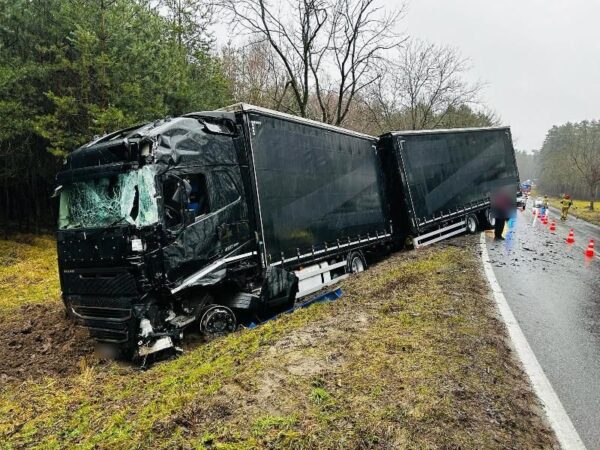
[28, 272]
[412, 355]
[580, 209]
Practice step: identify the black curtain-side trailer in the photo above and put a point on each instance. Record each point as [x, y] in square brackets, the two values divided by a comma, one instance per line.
[318, 190]
[436, 179]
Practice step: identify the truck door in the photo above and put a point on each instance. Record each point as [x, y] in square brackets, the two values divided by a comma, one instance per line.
[207, 221]
[233, 229]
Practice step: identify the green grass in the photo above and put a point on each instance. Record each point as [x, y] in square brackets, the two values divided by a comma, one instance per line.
[412, 355]
[28, 272]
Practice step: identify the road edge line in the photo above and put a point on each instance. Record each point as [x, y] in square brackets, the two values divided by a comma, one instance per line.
[557, 416]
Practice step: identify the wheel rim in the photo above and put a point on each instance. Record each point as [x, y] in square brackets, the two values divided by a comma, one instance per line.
[491, 219]
[218, 320]
[357, 265]
[471, 225]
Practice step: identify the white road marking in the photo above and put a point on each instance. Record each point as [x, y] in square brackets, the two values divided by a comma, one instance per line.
[557, 416]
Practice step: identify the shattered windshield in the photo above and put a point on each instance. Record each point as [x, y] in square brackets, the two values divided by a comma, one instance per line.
[107, 201]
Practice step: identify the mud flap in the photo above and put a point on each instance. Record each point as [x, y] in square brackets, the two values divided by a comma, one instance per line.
[279, 288]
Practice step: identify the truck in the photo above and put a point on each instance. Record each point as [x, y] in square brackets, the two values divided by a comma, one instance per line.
[219, 218]
[212, 218]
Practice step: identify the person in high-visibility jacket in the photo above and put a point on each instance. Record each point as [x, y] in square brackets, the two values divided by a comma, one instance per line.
[545, 205]
[566, 204]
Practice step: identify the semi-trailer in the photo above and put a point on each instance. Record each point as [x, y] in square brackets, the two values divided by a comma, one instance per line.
[213, 218]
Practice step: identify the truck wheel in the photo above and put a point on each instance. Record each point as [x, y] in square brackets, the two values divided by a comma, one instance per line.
[356, 263]
[217, 320]
[490, 220]
[472, 224]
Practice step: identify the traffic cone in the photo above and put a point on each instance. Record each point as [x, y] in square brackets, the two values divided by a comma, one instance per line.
[590, 249]
[571, 237]
[553, 226]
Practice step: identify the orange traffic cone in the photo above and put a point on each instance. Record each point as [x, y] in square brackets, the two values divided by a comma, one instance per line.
[553, 226]
[571, 237]
[590, 249]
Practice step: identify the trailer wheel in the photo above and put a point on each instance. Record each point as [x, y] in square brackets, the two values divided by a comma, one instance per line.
[472, 224]
[490, 220]
[356, 263]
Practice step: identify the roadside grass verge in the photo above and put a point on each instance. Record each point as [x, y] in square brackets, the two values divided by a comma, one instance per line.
[412, 355]
[580, 209]
[28, 272]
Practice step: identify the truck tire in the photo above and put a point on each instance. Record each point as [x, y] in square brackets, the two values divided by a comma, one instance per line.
[471, 223]
[489, 219]
[409, 242]
[356, 262]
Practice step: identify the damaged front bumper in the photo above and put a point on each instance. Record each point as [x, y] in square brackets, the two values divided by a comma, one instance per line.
[122, 322]
[109, 320]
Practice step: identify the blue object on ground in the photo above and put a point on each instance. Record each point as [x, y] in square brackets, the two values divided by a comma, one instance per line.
[327, 297]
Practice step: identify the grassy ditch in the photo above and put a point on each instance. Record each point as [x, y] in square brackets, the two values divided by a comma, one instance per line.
[580, 209]
[412, 355]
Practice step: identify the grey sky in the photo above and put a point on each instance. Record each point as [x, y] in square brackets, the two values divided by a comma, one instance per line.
[540, 59]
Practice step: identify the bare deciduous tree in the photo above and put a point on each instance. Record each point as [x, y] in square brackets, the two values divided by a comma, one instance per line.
[423, 84]
[327, 47]
[256, 75]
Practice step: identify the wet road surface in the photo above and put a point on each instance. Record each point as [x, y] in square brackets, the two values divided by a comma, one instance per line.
[554, 292]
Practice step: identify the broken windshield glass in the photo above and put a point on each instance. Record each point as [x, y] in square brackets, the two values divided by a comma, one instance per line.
[107, 201]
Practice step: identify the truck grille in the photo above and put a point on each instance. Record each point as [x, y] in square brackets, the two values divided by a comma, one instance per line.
[99, 282]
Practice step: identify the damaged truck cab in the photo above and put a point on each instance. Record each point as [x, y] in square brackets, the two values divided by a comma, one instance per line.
[211, 219]
[149, 220]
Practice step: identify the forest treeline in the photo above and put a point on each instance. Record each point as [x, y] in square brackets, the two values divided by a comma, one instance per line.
[567, 163]
[74, 69]
[569, 160]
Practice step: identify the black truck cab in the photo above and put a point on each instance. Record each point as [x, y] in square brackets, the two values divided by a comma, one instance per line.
[141, 213]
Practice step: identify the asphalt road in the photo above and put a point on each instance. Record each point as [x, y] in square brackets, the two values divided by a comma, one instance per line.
[553, 290]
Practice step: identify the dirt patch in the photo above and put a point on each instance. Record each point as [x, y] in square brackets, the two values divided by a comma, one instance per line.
[39, 341]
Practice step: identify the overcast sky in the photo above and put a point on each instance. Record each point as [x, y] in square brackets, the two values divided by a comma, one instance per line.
[539, 58]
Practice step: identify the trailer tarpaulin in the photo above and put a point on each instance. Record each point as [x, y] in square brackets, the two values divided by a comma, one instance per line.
[315, 186]
[446, 171]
